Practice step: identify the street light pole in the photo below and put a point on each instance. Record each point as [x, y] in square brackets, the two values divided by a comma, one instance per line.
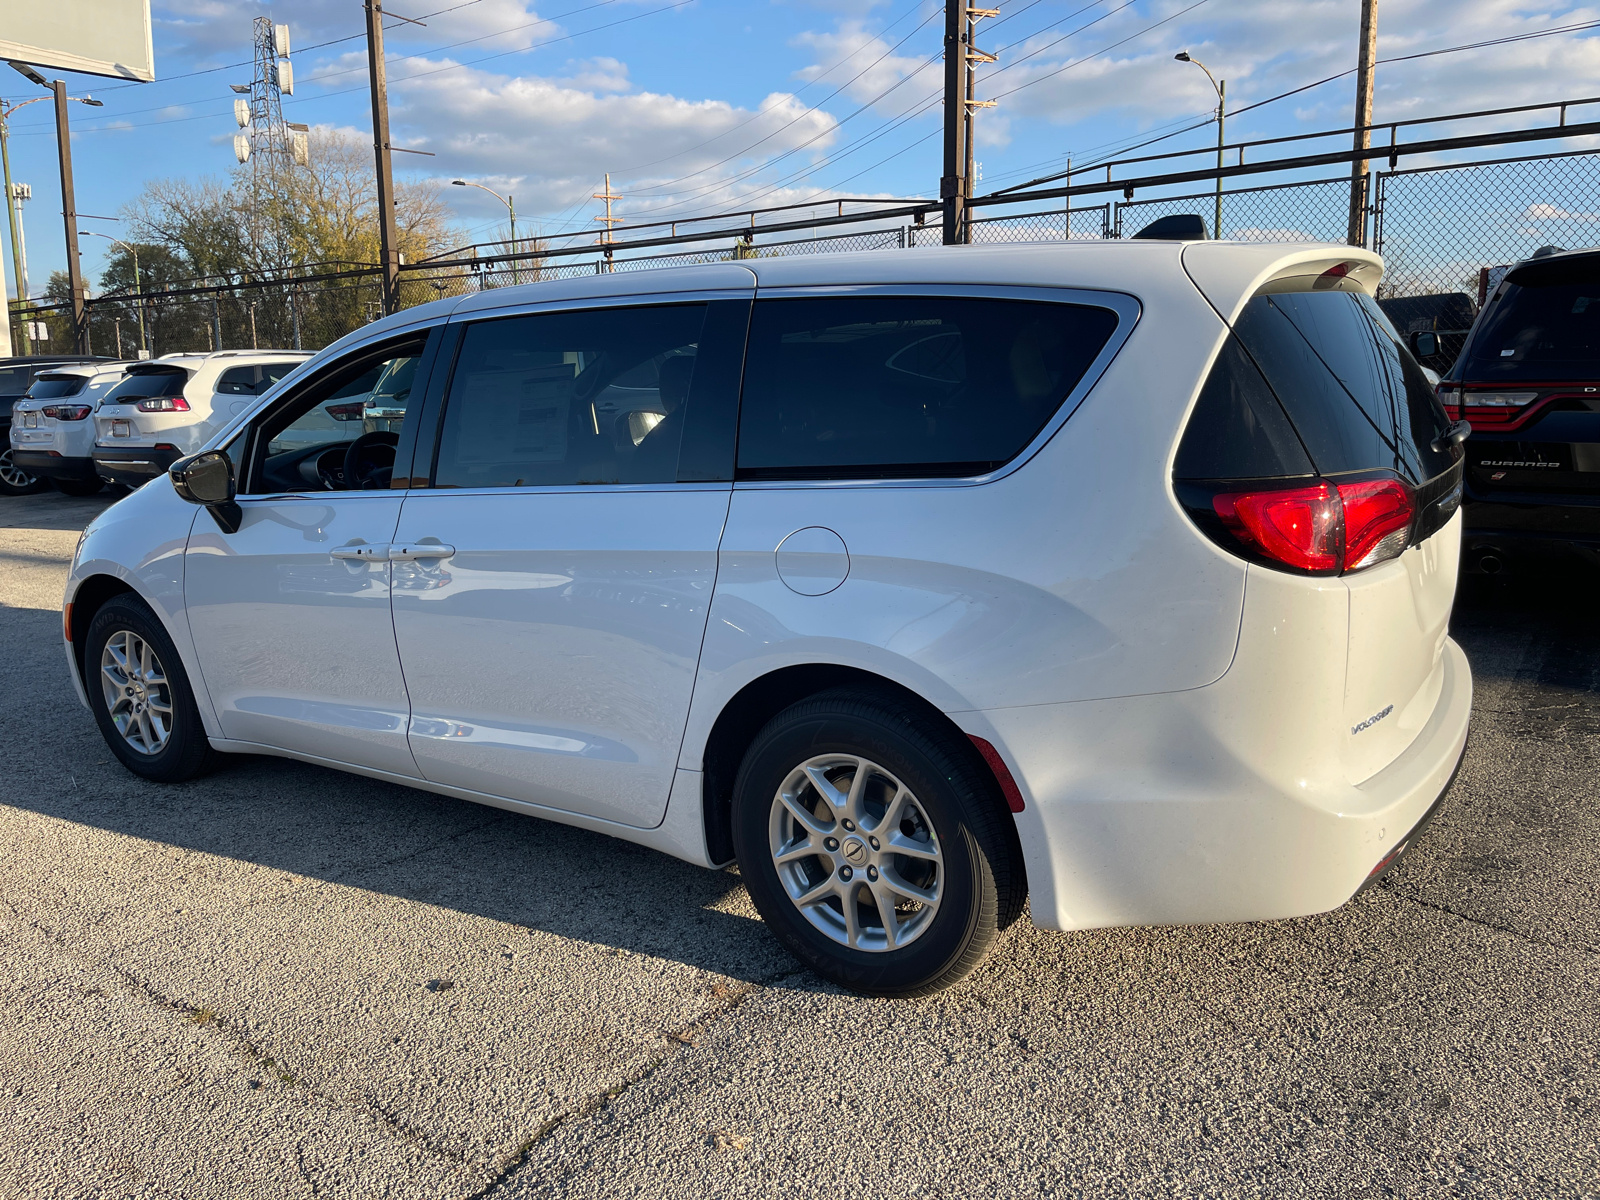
[138, 287]
[1221, 88]
[516, 275]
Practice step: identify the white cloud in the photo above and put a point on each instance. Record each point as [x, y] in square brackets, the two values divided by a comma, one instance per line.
[859, 61]
[552, 140]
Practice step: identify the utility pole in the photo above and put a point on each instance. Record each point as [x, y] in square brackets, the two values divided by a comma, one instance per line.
[1366, 56]
[608, 196]
[952, 188]
[69, 215]
[388, 235]
[13, 215]
[973, 56]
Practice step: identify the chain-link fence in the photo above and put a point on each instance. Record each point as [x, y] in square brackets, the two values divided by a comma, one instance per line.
[1443, 231]
[1314, 211]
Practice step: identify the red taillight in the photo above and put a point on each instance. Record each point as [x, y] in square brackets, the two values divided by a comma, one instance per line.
[66, 412]
[164, 446]
[1377, 521]
[1299, 527]
[346, 412]
[164, 404]
[1324, 528]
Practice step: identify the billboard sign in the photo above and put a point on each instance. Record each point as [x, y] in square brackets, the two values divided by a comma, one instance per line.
[94, 37]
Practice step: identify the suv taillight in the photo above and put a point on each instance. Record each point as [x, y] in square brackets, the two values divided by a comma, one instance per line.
[1322, 529]
[164, 404]
[66, 412]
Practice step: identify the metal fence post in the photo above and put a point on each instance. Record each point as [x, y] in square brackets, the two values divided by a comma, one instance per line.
[216, 320]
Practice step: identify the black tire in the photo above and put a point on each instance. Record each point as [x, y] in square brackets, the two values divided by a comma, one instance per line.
[79, 487]
[981, 883]
[186, 753]
[14, 481]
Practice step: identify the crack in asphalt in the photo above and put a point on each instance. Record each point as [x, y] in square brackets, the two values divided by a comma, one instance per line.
[677, 1041]
[1498, 928]
[243, 1045]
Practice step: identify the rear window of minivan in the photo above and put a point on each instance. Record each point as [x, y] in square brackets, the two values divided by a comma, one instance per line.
[1314, 382]
[872, 387]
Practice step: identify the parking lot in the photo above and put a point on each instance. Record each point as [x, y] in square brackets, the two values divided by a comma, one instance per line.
[282, 980]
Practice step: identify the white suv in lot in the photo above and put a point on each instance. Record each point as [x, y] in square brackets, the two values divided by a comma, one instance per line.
[168, 407]
[52, 435]
[1114, 577]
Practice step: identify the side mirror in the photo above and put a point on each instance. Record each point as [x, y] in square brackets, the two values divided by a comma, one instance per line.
[207, 479]
[1424, 343]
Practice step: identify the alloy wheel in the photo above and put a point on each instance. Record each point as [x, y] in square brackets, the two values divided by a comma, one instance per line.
[855, 852]
[11, 474]
[137, 694]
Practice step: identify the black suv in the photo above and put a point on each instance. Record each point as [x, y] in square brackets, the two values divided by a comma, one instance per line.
[1528, 380]
[15, 376]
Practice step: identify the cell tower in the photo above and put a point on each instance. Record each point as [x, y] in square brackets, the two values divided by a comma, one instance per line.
[271, 146]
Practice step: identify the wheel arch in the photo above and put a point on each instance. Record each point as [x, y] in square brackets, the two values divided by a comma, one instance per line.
[88, 598]
[748, 710]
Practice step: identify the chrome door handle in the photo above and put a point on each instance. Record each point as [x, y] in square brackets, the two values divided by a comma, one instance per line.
[411, 551]
[363, 553]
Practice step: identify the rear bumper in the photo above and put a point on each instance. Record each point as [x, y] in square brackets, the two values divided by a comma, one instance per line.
[134, 466]
[54, 466]
[1159, 810]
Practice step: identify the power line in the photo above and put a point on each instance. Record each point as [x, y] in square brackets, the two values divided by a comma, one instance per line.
[814, 107]
[809, 111]
[303, 50]
[1517, 37]
[417, 75]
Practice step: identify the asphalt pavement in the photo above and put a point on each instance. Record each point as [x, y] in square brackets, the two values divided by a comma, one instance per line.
[282, 980]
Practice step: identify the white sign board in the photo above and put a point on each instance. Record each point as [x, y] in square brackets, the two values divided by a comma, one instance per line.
[95, 37]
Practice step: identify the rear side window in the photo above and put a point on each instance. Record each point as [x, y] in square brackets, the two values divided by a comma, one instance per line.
[1544, 326]
[152, 383]
[237, 381]
[871, 387]
[14, 380]
[570, 398]
[1355, 395]
[56, 387]
[1239, 430]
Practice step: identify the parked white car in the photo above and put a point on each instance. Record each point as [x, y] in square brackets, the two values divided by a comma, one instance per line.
[168, 407]
[1114, 577]
[52, 435]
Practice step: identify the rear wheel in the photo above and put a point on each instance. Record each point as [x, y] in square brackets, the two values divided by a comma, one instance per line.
[14, 481]
[79, 487]
[873, 845]
[140, 696]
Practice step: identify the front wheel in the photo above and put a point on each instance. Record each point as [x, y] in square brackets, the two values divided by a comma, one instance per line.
[140, 696]
[873, 844]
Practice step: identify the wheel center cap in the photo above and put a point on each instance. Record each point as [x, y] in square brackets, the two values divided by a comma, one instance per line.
[855, 850]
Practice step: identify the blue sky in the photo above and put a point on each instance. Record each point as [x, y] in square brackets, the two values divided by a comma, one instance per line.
[697, 106]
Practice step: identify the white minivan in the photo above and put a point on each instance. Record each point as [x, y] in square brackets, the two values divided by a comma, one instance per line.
[1110, 577]
[168, 407]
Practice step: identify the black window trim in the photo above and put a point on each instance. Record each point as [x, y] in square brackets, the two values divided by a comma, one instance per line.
[429, 440]
[1127, 308]
[429, 332]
